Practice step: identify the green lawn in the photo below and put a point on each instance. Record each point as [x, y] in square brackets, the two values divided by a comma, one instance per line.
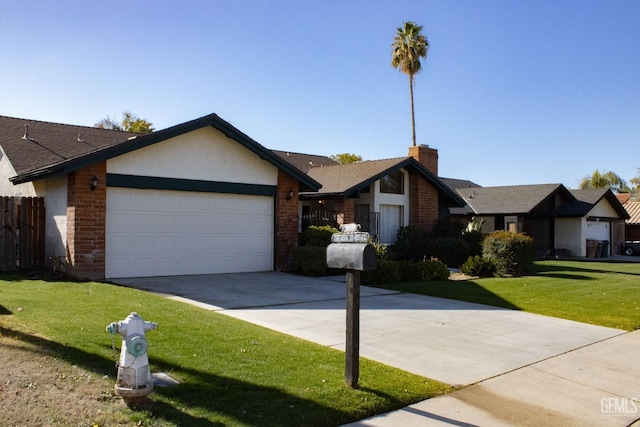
[232, 372]
[601, 293]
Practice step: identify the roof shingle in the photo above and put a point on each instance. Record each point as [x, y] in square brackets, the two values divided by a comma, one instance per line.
[305, 162]
[633, 209]
[338, 178]
[45, 144]
[507, 200]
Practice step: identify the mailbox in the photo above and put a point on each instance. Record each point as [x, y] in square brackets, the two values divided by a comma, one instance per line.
[350, 249]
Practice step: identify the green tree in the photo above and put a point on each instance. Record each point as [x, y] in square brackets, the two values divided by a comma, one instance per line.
[635, 186]
[635, 181]
[346, 158]
[408, 46]
[608, 179]
[129, 123]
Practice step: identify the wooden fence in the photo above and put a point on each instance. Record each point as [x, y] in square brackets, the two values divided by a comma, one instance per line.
[22, 234]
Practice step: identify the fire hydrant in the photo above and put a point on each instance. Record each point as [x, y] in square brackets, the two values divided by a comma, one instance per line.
[134, 381]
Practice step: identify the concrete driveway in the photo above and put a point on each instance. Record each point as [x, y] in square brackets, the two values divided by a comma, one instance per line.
[451, 341]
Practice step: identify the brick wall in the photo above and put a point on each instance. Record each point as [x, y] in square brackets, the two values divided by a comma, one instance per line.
[423, 202]
[345, 210]
[423, 196]
[286, 238]
[86, 223]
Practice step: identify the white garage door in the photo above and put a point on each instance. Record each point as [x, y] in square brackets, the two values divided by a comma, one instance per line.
[165, 233]
[598, 230]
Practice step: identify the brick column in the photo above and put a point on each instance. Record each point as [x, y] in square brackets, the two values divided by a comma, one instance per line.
[423, 202]
[423, 196]
[86, 222]
[345, 210]
[286, 220]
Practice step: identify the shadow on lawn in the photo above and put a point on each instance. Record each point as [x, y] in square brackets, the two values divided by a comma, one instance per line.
[203, 392]
[463, 290]
[38, 274]
[570, 272]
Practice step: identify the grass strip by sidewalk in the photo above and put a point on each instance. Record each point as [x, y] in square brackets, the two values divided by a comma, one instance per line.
[231, 372]
[600, 293]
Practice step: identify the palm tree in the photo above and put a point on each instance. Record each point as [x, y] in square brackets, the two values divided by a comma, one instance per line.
[607, 179]
[130, 123]
[409, 45]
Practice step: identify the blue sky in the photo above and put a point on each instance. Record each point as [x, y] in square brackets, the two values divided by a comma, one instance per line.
[512, 92]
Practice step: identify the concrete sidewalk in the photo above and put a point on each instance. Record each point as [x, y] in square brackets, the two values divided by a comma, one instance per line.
[522, 366]
[596, 385]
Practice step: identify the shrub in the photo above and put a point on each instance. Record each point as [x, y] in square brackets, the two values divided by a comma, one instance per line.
[433, 269]
[474, 239]
[318, 235]
[451, 250]
[512, 253]
[382, 250]
[309, 260]
[478, 266]
[446, 242]
[446, 228]
[411, 244]
[409, 271]
[387, 272]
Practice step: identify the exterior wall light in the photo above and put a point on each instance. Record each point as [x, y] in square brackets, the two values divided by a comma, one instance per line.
[94, 183]
[290, 195]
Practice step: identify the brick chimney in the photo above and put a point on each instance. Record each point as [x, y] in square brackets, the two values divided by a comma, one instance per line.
[427, 156]
[423, 195]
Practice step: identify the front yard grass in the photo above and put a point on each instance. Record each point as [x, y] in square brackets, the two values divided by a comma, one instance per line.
[600, 293]
[231, 372]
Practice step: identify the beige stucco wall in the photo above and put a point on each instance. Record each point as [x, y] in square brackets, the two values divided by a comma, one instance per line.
[568, 236]
[54, 191]
[603, 209]
[203, 154]
[6, 187]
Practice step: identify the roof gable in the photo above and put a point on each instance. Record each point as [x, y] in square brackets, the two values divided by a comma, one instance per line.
[346, 180]
[541, 199]
[56, 152]
[592, 197]
[511, 200]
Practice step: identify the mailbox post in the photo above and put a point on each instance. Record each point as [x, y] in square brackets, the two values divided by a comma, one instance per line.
[350, 250]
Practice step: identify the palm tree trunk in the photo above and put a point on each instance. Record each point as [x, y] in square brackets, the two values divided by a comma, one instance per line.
[413, 120]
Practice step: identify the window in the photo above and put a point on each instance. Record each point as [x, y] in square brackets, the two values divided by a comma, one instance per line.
[392, 183]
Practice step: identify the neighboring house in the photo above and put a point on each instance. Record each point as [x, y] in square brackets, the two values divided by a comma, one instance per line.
[632, 225]
[200, 197]
[380, 195]
[560, 220]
